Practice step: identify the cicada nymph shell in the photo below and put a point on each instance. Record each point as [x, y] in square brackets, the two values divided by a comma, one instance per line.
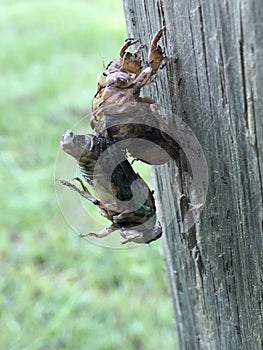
[119, 113]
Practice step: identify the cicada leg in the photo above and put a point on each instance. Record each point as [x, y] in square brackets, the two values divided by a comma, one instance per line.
[84, 193]
[155, 57]
[138, 50]
[142, 78]
[131, 239]
[85, 189]
[126, 45]
[105, 232]
[155, 54]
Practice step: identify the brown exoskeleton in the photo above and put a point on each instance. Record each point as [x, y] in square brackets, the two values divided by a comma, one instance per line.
[126, 73]
[124, 198]
[119, 112]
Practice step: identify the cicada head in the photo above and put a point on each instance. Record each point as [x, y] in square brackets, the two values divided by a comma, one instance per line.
[76, 145]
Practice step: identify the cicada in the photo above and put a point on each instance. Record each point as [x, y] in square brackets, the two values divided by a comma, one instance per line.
[124, 198]
[119, 113]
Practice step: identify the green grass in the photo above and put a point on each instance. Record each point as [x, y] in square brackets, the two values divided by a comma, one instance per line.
[58, 291]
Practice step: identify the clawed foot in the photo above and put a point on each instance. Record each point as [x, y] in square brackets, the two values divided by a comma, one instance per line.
[156, 54]
[131, 62]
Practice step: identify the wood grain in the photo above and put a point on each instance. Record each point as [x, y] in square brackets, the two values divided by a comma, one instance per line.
[213, 81]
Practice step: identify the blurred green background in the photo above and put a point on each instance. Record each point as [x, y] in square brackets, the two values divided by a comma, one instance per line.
[58, 291]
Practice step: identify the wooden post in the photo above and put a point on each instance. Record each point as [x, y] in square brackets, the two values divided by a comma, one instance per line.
[213, 81]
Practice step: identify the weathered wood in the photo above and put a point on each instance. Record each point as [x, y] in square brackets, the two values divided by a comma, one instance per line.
[214, 81]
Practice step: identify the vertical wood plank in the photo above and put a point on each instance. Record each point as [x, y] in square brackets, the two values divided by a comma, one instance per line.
[213, 81]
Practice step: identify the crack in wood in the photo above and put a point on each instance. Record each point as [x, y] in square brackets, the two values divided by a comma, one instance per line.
[161, 11]
[195, 60]
[222, 77]
[204, 51]
[243, 73]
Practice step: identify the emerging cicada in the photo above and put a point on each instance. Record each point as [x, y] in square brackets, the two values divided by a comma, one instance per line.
[119, 113]
[119, 116]
[124, 198]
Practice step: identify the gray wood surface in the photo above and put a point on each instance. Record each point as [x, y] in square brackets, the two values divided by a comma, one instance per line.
[213, 81]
